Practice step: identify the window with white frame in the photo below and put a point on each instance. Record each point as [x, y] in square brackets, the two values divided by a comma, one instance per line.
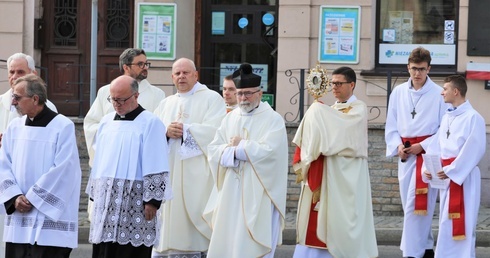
[403, 25]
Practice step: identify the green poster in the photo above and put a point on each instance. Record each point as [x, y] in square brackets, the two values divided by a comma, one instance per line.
[268, 98]
[155, 27]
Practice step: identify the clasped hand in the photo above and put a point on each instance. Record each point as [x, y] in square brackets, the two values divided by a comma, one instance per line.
[440, 175]
[415, 149]
[235, 140]
[175, 130]
[22, 204]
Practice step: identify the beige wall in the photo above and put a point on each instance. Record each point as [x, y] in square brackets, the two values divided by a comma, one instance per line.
[17, 32]
[11, 34]
[301, 34]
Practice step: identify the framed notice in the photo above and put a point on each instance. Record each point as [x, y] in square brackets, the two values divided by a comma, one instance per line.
[155, 30]
[259, 69]
[338, 38]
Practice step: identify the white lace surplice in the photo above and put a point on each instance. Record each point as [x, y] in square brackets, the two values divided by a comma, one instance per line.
[130, 168]
[118, 214]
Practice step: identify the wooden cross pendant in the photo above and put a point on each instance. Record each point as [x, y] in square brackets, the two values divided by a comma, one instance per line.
[413, 113]
[447, 134]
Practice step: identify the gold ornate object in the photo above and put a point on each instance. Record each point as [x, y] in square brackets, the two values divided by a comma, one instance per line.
[317, 82]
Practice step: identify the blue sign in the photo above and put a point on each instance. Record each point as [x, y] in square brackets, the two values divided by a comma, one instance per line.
[268, 19]
[243, 22]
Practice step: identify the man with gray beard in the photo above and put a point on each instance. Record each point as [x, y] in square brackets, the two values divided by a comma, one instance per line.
[248, 159]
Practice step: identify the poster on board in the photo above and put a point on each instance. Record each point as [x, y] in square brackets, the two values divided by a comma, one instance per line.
[338, 38]
[155, 30]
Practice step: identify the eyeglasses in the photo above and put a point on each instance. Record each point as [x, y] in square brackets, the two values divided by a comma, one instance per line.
[120, 102]
[417, 69]
[337, 84]
[247, 94]
[142, 64]
[18, 97]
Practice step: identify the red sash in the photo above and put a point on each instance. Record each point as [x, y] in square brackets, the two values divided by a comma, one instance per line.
[421, 188]
[314, 179]
[456, 205]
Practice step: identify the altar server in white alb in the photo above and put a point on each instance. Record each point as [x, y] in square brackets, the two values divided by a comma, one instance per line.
[191, 117]
[40, 176]
[129, 177]
[132, 62]
[249, 161]
[415, 111]
[461, 142]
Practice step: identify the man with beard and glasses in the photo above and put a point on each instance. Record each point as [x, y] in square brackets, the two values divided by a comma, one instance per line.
[248, 159]
[132, 62]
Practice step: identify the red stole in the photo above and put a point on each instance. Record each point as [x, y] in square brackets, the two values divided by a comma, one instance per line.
[456, 205]
[314, 179]
[421, 188]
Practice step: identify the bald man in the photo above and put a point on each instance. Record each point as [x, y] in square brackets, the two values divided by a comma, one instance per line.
[191, 116]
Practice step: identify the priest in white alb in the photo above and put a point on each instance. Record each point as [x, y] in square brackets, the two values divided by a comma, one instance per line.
[460, 143]
[335, 216]
[40, 176]
[249, 161]
[191, 117]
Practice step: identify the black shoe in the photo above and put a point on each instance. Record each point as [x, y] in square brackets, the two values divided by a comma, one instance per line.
[429, 253]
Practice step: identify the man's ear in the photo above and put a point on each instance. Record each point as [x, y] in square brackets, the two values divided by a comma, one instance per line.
[456, 91]
[126, 69]
[36, 99]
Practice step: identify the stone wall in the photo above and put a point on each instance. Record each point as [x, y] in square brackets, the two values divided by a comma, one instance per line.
[82, 152]
[383, 172]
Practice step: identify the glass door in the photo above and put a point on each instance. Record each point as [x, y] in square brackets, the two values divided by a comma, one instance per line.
[234, 32]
